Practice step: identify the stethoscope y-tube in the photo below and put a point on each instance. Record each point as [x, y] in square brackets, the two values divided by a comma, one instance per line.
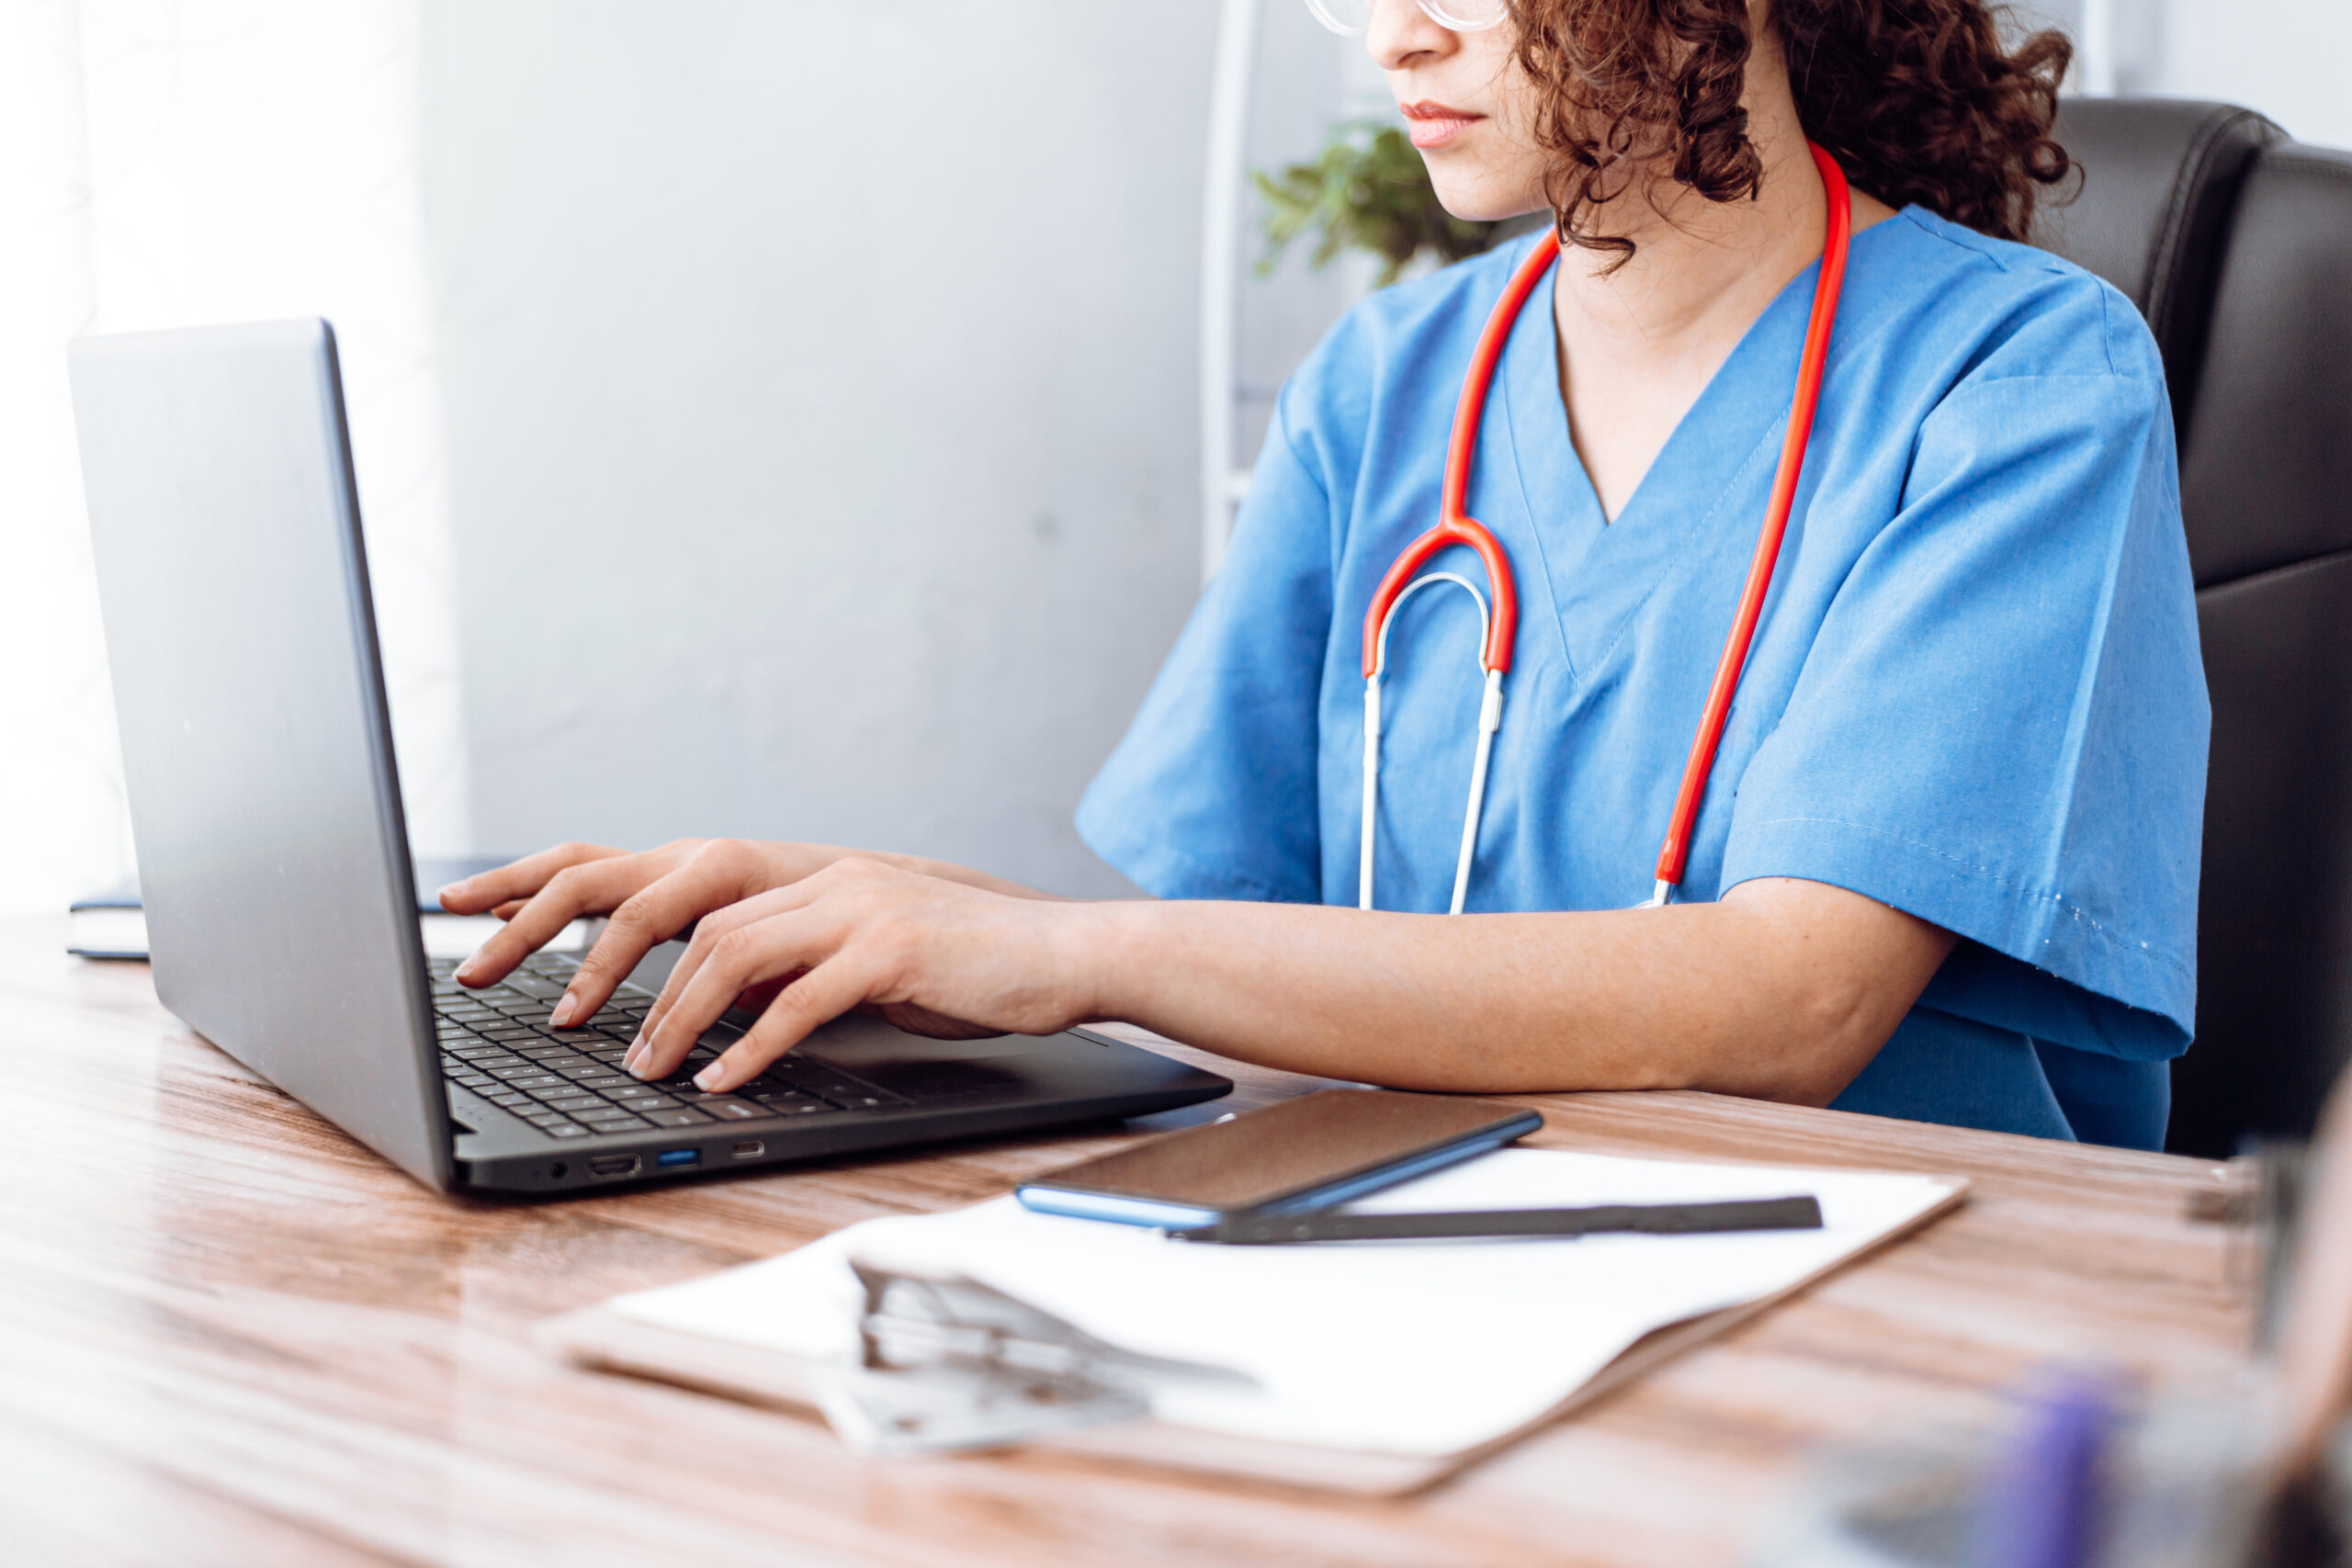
[1499, 628]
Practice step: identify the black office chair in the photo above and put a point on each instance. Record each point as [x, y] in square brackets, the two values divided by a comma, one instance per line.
[2236, 245]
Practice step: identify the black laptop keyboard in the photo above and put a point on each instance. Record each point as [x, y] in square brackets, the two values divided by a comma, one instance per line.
[568, 1083]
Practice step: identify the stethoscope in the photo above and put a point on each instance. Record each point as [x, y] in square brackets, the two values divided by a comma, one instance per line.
[1500, 625]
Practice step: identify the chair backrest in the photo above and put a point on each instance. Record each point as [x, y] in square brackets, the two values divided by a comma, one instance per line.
[2237, 245]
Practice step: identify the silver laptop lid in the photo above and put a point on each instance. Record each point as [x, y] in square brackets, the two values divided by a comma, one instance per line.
[255, 744]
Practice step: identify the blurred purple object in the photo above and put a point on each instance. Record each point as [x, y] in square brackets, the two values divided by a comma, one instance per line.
[2045, 1492]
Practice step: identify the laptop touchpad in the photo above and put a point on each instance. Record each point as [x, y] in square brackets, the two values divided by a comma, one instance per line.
[923, 1068]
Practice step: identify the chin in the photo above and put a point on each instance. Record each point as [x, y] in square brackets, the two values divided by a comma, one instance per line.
[1474, 195]
[1475, 205]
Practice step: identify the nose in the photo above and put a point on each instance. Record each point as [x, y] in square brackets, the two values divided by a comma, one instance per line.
[1401, 35]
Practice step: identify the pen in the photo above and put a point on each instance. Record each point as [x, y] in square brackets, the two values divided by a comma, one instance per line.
[1655, 1219]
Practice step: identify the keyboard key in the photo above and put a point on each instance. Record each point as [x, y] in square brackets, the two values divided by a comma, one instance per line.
[534, 1081]
[545, 1118]
[780, 1098]
[566, 1130]
[612, 1120]
[728, 1110]
[507, 1097]
[675, 1118]
[812, 1077]
[800, 1106]
[572, 1102]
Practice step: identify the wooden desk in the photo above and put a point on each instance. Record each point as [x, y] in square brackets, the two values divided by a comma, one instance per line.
[229, 1335]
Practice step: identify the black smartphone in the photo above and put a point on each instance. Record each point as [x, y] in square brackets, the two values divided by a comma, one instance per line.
[1309, 1153]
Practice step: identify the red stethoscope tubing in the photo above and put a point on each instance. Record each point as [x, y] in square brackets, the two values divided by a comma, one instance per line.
[1455, 526]
[1675, 854]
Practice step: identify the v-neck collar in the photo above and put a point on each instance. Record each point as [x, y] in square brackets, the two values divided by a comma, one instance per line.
[1593, 572]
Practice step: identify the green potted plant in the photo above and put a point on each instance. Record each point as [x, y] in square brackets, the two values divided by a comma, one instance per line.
[1367, 190]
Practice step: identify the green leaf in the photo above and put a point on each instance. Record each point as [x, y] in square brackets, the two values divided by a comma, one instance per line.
[1367, 190]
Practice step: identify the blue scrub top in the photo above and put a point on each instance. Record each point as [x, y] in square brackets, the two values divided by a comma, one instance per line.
[1975, 694]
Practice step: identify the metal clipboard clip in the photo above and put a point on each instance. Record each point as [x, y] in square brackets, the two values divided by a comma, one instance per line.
[946, 1363]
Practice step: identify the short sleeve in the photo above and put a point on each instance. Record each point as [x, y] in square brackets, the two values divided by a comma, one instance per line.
[2001, 727]
[1213, 792]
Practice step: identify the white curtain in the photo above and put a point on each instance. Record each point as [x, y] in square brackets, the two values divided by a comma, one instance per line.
[166, 164]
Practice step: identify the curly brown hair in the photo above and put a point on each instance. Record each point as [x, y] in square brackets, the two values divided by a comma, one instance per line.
[1917, 99]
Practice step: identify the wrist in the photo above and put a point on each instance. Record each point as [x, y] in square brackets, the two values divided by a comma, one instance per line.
[1095, 950]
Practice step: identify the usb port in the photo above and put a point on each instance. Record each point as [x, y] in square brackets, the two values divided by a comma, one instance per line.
[671, 1160]
[749, 1148]
[614, 1165]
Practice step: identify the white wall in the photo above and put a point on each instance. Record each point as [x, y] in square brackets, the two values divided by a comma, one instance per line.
[165, 164]
[2291, 59]
[821, 390]
[819, 377]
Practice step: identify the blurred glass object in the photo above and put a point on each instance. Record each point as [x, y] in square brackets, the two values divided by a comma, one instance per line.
[2080, 1472]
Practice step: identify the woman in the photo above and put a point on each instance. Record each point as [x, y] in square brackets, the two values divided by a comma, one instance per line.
[1946, 863]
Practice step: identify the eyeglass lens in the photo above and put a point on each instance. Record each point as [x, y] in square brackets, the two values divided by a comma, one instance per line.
[1352, 17]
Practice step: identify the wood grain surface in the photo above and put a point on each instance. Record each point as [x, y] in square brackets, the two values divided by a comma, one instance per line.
[229, 1335]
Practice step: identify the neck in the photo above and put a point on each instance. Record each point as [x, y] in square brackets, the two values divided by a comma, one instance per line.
[1701, 269]
[1639, 344]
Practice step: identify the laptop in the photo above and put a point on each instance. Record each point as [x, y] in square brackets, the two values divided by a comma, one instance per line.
[274, 858]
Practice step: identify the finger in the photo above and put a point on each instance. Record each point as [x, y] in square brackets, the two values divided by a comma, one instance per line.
[517, 880]
[711, 929]
[732, 963]
[712, 878]
[587, 888]
[826, 992]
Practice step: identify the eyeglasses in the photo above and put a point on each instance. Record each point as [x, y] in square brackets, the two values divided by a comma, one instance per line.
[1351, 17]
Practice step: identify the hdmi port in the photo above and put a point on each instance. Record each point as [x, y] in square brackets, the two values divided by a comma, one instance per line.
[614, 1165]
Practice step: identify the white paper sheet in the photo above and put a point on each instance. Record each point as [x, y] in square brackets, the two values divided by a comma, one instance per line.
[1407, 1347]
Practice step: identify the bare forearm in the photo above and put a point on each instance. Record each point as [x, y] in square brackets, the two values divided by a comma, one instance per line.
[1782, 995]
[1785, 989]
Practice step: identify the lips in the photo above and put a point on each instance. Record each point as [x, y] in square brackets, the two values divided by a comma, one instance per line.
[1432, 125]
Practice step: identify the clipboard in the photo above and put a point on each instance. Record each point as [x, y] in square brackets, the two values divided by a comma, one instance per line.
[599, 1338]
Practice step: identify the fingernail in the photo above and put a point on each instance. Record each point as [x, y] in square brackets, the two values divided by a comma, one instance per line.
[443, 891]
[709, 1078]
[465, 971]
[564, 1009]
